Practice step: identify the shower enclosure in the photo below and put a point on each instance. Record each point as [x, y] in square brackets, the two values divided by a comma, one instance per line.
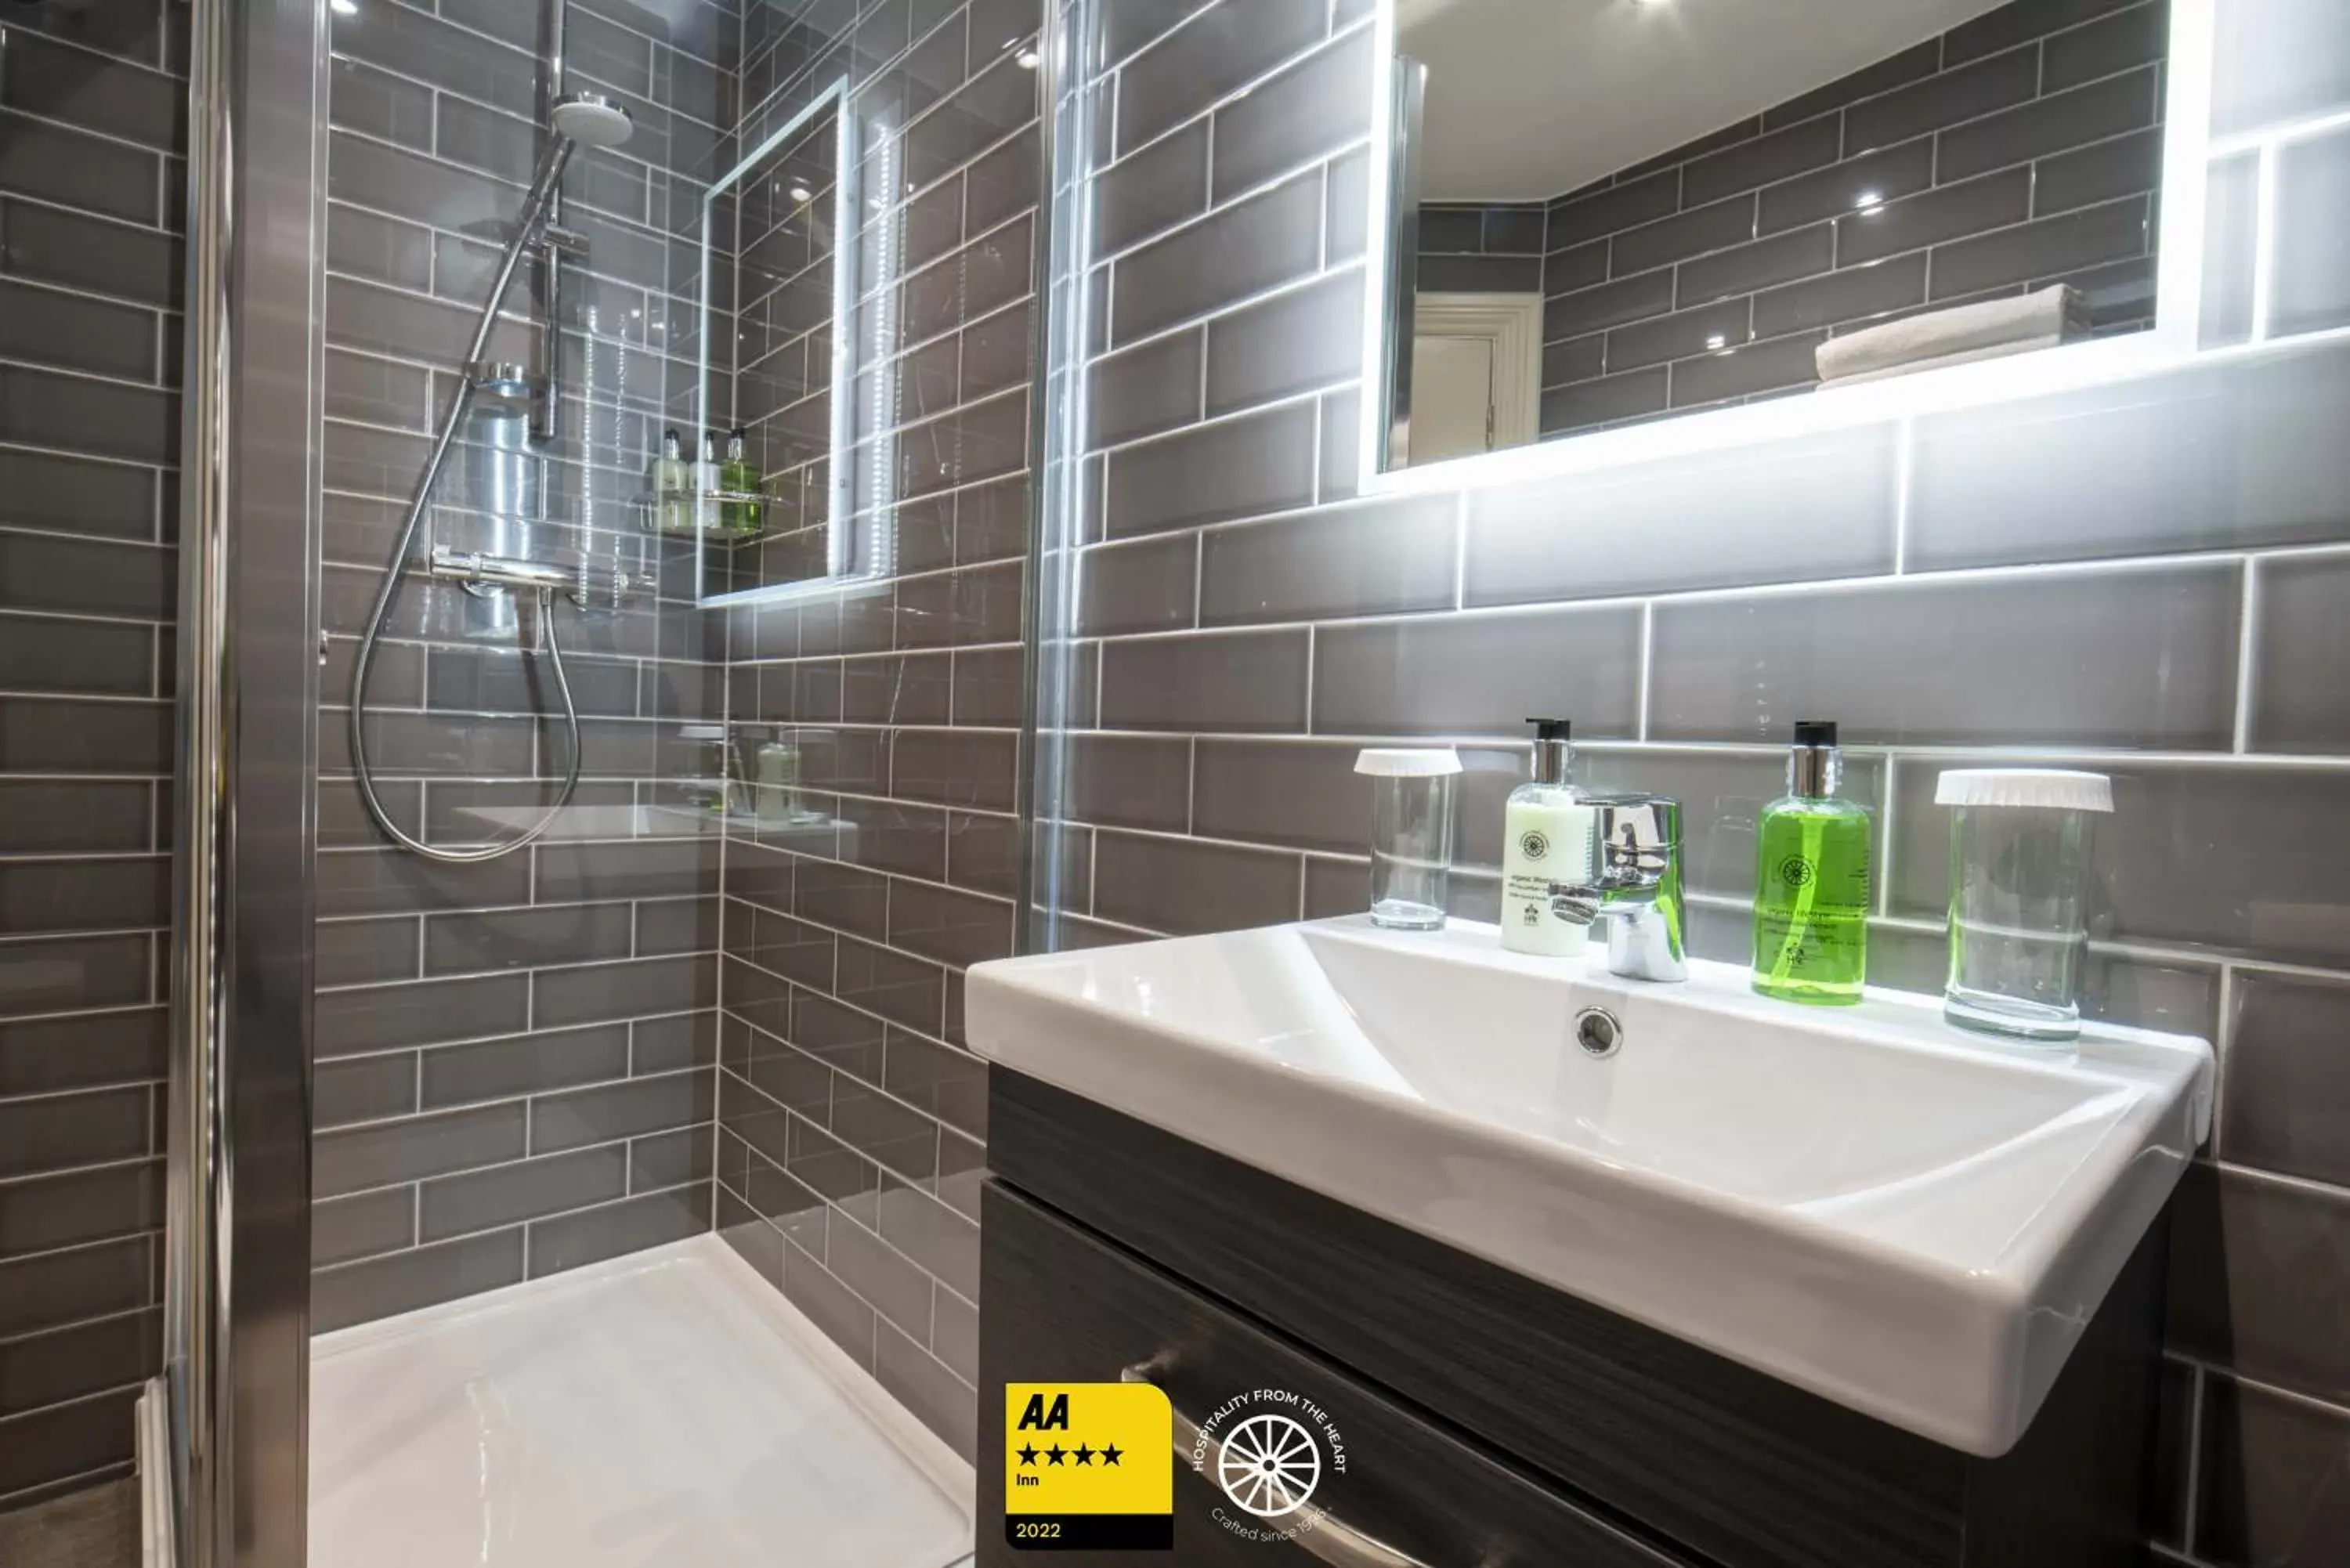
[578, 851]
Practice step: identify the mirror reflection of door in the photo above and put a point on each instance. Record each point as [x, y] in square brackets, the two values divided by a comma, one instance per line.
[1474, 374]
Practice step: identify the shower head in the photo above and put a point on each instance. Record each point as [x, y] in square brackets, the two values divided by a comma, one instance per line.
[591, 120]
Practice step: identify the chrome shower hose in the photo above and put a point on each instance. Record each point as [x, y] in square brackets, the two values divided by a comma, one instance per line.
[534, 214]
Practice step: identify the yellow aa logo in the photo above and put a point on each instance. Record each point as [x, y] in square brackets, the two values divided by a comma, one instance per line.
[1088, 1465]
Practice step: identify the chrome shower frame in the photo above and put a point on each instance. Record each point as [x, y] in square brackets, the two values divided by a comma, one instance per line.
[236, 1381]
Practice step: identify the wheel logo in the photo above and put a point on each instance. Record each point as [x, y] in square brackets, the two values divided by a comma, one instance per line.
[1795, 871]
[1533, 846]
[1269, 1466]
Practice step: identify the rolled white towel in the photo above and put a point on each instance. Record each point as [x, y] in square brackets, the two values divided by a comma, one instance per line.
[1962, 333]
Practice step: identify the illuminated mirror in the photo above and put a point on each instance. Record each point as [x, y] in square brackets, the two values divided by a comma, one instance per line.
[756, 486]
[1605, 216]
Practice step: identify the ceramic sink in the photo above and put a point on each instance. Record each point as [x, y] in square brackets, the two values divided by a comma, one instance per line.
[1910, 1219]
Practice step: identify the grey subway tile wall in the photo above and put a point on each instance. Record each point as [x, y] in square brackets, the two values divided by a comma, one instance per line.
[850, 1118]
[92, 133]
[513, 1059]
[1495, 248]
[2146, 578]
[2021, 148]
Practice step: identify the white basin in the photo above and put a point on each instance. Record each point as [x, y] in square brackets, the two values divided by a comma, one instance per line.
[1905, 1217]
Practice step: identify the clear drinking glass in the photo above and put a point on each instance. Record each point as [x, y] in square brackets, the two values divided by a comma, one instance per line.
[1411, 834]
[2020, 840]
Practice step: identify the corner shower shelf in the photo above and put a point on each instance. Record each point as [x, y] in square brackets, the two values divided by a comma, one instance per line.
[705, 503]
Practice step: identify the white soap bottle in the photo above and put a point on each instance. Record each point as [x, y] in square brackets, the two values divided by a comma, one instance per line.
[1547, 831]
[672, 506]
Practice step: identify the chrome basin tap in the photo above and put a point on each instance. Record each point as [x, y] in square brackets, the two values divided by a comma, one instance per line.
[1635, 887]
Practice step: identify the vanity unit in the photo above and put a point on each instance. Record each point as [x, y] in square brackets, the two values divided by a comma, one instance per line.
[1554, 1267]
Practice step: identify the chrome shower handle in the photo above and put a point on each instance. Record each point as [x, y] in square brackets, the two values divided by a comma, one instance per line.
[474, 569]
[589, 589]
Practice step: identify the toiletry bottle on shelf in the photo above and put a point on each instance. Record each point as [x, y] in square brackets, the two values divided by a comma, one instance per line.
[779, 783]
[672, 483]
[738, 478]
[705, 484]
[1547, 838]
[1811, 895]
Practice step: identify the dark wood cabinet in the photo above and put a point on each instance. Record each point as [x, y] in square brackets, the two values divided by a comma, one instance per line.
[1493, 1420]
[1085, 1312]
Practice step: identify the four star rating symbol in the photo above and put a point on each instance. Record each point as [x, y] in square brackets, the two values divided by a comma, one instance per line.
[1087, 1466]
[1084, 1454]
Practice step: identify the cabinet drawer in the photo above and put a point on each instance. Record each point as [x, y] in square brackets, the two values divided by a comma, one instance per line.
[1733, 1466]
[1064, 1306]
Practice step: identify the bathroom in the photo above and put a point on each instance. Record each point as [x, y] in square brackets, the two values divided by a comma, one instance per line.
[546, 1110]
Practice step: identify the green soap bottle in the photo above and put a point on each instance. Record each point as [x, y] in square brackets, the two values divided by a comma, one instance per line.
[1811, 895]
[737, 477]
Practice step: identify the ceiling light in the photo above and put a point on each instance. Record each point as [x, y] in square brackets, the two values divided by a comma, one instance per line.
[1026, 59]
[802, 194]
[1716, 341]
[343, 8]
[1869, 201]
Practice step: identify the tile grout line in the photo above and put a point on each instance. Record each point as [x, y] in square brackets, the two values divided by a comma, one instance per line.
[2114, 566]
[1461, 560]
[2264, 225]
[2223, 1048]
[1905, 459]
[110, 1392]
[2247, 653]
[1646, 663]
[1883, 887]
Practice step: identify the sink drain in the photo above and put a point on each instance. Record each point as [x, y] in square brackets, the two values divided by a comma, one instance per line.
[1597, 1031]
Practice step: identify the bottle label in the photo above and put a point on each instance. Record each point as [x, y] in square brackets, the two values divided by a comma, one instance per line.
[1836, 873]
[1525, 902]
[1543, 846]
[1817, 937]
[1812, 901]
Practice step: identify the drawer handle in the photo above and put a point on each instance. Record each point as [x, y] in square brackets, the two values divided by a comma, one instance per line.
[1332, 1540]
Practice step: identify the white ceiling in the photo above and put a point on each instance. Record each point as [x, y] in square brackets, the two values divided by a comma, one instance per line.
[1530, 98]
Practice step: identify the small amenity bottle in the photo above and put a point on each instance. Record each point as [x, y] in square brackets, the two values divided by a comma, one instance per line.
[706, 517]
[1811, 894]
[1546, 839]
[737, 477]
[779, 781]
[672, 484]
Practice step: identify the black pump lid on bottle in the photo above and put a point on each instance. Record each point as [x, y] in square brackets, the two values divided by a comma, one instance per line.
[1550, 750]
[1814, 768]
